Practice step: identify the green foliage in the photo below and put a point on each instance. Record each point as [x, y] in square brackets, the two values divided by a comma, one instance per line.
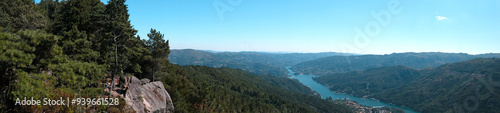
[84, 14]
[255, 62]
[126, 49]
[205, 89]
[25, 55]
[456, 87]
[34, 62]
[158, 59]
[65, 49]
[341, 64]
[13, 57]
[22, 14]
[292, 85]
[370, 81]
[45, 47]
[81, 23]
[13, 51]
[78, 75]
[77, 46]
[26, 84]
[50, 6]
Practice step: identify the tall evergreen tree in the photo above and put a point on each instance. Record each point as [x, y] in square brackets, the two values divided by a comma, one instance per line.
[79, 13]
[126, 50]
[159, 49]
[50, 6]
[81, 24]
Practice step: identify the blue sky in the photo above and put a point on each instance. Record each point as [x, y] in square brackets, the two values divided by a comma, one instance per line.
[323, 25]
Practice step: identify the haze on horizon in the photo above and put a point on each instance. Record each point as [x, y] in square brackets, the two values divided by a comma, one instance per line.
[365, 27]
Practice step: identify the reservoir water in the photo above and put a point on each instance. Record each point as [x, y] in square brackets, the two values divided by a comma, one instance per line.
[325, 92]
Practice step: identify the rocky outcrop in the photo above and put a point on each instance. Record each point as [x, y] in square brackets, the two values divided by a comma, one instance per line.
[150, 97]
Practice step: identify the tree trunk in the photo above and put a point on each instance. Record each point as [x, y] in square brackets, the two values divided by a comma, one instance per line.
[153, 79]
[114, 71]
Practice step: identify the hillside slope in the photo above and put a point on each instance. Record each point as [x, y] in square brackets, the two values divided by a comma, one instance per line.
[361, 83]
[206, 89]
[470, 86]
[256, 62]
[340, 64]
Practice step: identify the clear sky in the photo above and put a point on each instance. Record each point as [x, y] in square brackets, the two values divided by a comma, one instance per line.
[468, 26]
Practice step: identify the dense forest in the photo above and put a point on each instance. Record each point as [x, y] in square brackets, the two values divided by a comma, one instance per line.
[341, 64]
[68, 48]
[256, 62]
[365, 83]
[206, 89]
[469, 86]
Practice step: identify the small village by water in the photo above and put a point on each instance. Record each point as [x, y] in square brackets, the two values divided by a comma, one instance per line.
[325, 92]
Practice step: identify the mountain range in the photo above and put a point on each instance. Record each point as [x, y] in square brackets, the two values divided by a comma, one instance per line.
[340, 64]
[256, 62]
[425, 82]
[468, 86]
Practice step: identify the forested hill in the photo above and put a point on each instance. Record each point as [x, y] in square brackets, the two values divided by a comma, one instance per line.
[206, 89]
[73, 48]
[68, 49]
[468, 86]
[340, 64]
[361, 83]
[256, 62]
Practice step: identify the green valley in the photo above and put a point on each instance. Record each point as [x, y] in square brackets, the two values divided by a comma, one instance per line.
[256, 62]
[340, 64]
[468, 86]
[88, 49]
[256, 56]
[206, 89]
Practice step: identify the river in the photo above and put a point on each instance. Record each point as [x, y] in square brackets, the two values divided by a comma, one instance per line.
[325, 92]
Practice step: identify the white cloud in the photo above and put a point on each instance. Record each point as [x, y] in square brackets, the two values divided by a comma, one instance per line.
[441, 17]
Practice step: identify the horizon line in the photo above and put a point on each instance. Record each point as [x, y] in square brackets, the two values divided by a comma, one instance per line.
[289, 52]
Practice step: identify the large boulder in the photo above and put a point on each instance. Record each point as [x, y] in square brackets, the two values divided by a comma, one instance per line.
[150, 97]
[144, 80]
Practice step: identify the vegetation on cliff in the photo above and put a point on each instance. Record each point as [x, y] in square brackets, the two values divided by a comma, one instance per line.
[65, 49]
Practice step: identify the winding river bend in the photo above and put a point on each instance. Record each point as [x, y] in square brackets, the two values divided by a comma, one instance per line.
[325, 92]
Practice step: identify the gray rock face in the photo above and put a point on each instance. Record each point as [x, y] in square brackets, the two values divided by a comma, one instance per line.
[150, 97]
[144, 80]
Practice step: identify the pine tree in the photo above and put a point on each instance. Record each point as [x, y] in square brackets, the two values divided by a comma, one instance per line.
[50, 6]
[80, 22]
[126, 50]
[159, 52]
[14, 56]
[22, 14]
